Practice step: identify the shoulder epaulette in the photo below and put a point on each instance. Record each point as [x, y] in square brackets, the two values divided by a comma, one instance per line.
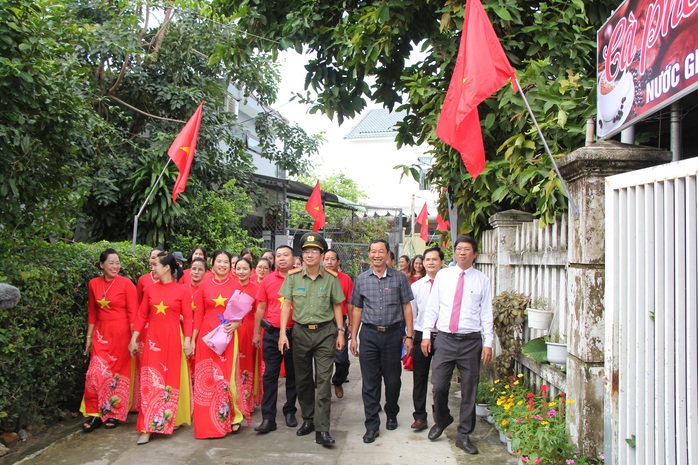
[294, 271]
[333, 273]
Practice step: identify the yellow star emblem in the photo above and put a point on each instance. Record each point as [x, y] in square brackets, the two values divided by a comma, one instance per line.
[281, 301]
[104, 302]
[220, 301]
[161, 308]
[193, 306]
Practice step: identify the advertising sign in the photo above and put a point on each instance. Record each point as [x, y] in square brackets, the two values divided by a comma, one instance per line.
[647, 58]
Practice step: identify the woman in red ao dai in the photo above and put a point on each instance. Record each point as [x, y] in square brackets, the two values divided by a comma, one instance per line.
[111, 311]
[215, 395]
[164, 375]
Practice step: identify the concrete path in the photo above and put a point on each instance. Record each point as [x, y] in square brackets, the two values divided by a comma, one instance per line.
[70, 446]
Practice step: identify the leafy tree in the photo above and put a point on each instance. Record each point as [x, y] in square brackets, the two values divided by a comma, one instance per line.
[362, 51]
[43, 93]
[93, 93]
[336, 183]
[217, 221]
[153, 73]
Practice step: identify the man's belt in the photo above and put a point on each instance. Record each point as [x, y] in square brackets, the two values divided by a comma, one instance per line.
[272, 329]
[382, 329]
[461, 337]
[315, 326]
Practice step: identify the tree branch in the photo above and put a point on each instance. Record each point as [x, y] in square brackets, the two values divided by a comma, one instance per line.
[117, 100]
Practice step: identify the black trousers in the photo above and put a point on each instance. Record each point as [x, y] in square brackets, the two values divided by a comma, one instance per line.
[270, 381]
[341, 360]
[420, 377]
[465, 354]
[380, 358]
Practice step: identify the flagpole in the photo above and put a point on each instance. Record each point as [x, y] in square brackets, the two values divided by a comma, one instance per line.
[135, 219]
[575, 209]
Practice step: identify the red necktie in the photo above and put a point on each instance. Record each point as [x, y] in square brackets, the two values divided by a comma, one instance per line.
[455, 312]
[431, 286]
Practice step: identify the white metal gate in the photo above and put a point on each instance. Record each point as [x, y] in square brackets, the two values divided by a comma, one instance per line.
[651, 349]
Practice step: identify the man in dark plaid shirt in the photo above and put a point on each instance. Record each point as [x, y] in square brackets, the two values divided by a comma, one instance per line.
[381, 301]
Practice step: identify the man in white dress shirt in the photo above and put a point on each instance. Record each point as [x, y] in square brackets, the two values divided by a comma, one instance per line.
[460, 304]
[433, 262]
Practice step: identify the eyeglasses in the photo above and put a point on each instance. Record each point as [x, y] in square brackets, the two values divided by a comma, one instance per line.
[311, 252]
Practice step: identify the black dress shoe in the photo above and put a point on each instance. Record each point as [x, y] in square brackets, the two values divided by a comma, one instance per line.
[370, 436]
[467, 446]
[306, 428]
[324, 438]
[391, 424]
[436, 431]
[291, 421]
[266, 426]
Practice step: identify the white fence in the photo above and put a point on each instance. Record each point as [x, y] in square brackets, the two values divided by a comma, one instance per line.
[538, 257]
[651, 351]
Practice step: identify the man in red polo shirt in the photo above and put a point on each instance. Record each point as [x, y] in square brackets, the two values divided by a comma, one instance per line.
[341, 360]
[269, 309]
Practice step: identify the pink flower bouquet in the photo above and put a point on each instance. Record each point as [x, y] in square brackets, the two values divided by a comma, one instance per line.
[238, 306]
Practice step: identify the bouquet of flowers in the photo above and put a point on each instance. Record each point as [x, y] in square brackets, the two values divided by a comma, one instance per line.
[238, 306]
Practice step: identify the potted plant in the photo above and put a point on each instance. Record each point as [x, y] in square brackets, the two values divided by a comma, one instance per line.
[539, 317]
[509, 311]
[482, 402]
[556, 345]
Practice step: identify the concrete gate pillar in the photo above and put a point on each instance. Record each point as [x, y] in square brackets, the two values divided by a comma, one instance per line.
[585, 170]
[505, 224]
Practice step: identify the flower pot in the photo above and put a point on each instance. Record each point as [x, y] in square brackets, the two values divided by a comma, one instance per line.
[490, 417]
[557, 353]
[502, 437]
[539, 319]
[481, 410]
[509, 448]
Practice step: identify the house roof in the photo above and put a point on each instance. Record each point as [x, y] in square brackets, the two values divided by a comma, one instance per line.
[299, 191]
[376, 123]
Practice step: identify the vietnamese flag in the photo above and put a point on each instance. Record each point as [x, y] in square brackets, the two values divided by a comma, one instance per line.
[481, 69]
[423, 220]
[182, 150]
[441, 224]
[314, 208]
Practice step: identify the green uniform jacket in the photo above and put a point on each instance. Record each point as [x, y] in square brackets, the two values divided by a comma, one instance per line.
[313, 300]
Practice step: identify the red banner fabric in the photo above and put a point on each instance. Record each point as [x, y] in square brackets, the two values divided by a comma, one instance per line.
[481, 69]
[182, 150]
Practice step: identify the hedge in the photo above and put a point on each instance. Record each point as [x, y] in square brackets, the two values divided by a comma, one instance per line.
[42, 366]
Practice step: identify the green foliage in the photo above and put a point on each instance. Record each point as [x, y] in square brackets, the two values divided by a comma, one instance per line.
[362, 51]
[42, 366]
[94, 92]
[216, 223]
[43, 93]
[508, 310]
[292, 153]
[335, 218]
[535, 349]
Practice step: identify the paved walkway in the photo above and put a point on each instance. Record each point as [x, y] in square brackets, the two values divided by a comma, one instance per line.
[68, 445]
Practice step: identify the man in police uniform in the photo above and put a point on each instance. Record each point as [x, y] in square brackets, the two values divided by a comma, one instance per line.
[316, 296]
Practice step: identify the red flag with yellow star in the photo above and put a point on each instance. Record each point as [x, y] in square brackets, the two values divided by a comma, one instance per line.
[481, 69]
[423, 220]
[314, 208]
[182, 150]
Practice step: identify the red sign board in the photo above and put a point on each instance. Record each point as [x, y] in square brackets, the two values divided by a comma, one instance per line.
[647, 58]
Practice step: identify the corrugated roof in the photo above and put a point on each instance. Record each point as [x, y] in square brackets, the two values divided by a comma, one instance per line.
[376, 123]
